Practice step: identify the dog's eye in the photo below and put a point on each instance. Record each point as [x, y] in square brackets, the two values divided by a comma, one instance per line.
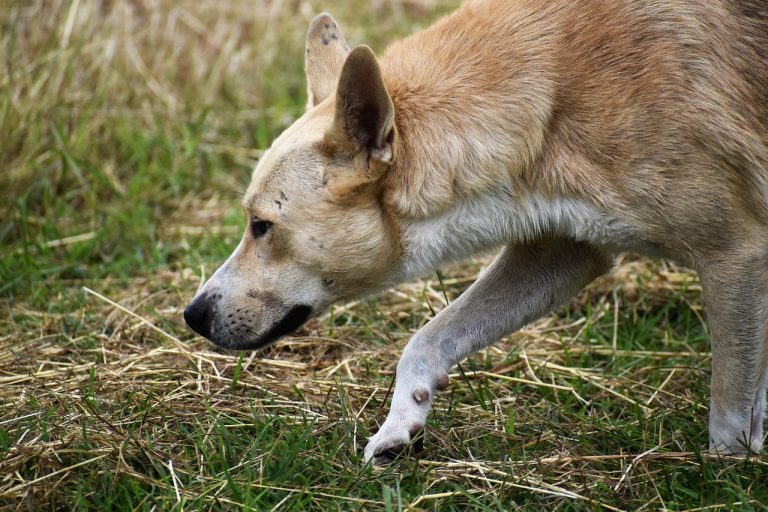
[259, 228]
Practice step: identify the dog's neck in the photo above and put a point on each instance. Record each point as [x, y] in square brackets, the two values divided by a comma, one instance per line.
[471, 119]
[470, 115]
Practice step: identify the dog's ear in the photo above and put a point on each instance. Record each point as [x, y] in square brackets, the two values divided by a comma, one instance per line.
[323, 58]
[363, 127]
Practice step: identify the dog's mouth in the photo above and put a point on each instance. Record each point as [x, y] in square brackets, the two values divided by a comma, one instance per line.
[295, 318]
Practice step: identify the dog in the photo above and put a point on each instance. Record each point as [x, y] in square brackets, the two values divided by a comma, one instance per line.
[560, 131]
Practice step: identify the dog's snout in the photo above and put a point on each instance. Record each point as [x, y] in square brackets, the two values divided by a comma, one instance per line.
[199, 315]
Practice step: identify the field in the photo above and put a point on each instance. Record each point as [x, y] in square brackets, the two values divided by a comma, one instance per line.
[128, 130]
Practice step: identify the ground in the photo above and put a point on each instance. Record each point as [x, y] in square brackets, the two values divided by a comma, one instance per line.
[128, 130]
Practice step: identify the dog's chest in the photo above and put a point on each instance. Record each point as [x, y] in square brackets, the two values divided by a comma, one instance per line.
[494, 219]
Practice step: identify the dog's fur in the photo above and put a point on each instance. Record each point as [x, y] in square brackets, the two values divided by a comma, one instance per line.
[563, 130]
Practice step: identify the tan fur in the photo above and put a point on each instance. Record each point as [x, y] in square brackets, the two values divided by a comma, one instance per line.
[629, 107]
[565, 130]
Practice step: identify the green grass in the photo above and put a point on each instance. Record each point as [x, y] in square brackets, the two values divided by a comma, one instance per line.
[128, 130]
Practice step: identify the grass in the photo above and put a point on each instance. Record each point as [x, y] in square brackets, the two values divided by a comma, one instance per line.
[128, 129]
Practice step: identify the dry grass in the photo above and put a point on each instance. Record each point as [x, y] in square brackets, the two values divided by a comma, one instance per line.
[129, 129]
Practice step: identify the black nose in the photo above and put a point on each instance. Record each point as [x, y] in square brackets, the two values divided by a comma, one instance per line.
[199, 316]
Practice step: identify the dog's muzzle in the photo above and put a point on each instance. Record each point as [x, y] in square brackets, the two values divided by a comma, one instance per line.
[200, 317]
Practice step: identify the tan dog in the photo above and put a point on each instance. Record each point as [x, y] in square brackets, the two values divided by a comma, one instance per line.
[563, 130]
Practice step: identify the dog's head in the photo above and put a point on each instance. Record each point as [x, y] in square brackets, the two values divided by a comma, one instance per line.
[317, 231]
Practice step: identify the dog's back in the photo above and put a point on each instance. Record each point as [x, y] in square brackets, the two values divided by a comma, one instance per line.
[672, 98]
[725, 51]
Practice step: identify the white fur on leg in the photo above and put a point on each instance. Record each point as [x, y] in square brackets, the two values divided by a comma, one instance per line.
[393, 435]
[417, 379]
[758, 419]
[500, 301]
[732, 434]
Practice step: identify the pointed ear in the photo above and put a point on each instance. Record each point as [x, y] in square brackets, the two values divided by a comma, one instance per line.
[365, 116]
[363, 126]
[324, 56]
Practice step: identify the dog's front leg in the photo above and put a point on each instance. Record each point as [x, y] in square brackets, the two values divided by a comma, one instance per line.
[522, 283]
[736, 296]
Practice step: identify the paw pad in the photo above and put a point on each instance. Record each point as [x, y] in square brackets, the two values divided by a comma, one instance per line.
[420, 395]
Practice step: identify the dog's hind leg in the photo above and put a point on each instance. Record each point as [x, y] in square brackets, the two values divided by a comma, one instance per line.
[523, 283]
[736, 296]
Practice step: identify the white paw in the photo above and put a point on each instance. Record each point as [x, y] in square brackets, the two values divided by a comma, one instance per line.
[392, 439]
[730, 435]
[733, 445]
